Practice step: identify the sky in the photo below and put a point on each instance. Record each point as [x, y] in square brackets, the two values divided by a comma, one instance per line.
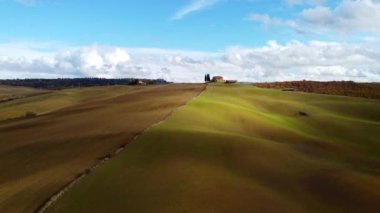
[181, 40]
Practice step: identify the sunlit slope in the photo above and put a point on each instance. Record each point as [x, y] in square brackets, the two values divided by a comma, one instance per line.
[244, 149]
[49, 101]
[40, 155]
[10, 92]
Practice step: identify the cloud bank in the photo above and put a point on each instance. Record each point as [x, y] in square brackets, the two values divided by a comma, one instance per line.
[295, 60]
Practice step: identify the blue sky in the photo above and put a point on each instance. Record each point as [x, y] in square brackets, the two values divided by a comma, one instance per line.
[142, 23]
[181, 39]
[146, 24]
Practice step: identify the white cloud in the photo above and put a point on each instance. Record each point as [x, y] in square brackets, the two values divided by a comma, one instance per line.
[314, 60]
[349, 16]
[93, 61]
[195, 5]
[268, 21]
[295, 60]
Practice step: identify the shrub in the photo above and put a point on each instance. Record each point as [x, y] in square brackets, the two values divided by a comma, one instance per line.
[30, 115]
[302, 113]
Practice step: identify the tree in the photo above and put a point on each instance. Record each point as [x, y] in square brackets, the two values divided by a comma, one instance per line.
[206, 78]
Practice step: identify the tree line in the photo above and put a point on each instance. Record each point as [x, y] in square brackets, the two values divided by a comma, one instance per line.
[346, 88]
[62, 83]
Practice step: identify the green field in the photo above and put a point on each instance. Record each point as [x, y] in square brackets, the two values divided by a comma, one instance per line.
[74, 129]
[244, 149]
[8, 93]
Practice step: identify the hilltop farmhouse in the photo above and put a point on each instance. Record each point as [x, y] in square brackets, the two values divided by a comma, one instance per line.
[218, 79]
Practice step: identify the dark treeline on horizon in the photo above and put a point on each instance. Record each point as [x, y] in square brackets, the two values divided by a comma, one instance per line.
[346, 88]
[61, 83]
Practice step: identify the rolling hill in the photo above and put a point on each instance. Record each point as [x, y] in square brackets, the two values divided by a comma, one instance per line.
[73, 130]
[9, 93]
[240, 148]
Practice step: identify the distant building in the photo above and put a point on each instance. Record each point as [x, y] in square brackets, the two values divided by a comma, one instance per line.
[231, 81]
[140, 82]
[218, 79]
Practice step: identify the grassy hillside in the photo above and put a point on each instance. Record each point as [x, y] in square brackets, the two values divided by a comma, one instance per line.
[245, 149]
[40, 155]
[8, 93]
[57, 99]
